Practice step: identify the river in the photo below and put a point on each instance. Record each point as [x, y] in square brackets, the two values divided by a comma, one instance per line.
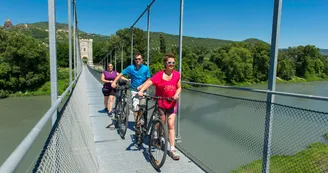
[20, 114]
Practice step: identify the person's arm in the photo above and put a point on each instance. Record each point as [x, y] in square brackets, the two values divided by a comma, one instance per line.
[151, 81]
[144, 86]
[116, 79]
[177, 93]
[123, 77]
[148, 79]
[103, 78]
[119, 75]
[139, 87]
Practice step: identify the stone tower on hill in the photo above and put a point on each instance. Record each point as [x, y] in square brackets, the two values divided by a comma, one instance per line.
[7, 24]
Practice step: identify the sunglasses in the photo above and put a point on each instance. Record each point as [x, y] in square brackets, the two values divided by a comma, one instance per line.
[170, 63]
[138, 59]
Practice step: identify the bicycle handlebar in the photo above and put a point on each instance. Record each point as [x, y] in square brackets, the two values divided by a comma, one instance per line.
[159, 98]
[118, 87]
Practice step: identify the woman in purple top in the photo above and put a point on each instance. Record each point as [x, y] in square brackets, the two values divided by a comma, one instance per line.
[108, 77]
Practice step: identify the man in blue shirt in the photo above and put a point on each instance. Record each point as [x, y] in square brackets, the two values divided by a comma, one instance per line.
[138, 73]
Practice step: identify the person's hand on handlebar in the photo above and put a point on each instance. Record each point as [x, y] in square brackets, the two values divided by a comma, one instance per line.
[176, 97]
[113, 85]
[140, 93]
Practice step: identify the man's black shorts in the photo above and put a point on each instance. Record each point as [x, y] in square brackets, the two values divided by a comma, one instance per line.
[108, 91]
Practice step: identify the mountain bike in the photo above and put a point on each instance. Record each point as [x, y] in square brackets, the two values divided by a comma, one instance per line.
[155, 130]
[122, 108]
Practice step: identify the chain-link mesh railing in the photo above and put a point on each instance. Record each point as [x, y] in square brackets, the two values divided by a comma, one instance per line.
[70, 146]
[298, 141]
[221, 132]
[226, 133]
[100, 65]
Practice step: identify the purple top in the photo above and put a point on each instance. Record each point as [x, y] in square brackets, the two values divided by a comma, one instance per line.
[109, 76]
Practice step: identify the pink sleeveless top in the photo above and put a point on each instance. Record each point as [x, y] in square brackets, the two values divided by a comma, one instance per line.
[166, 88]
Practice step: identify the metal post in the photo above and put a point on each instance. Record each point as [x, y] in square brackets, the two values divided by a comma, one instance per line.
[131, 46]
[74, 40]
[78, 58]
[53, 56]
[70, 40]
[271, 84]
[77, 52]
[122, 58]
[142, 13]
[148, 37]
[111, 56]
[106, 64]
[178, 137]
[115, 57]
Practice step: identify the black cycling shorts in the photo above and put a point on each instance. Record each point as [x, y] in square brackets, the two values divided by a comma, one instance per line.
[108, 91]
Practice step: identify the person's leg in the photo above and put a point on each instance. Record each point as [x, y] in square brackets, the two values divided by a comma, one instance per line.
[111, 101]
[106, 102]
[106, 94]
[171, 130]
[171, 133]
[105, 110]
[135, 102]
[162, 115]
[112, 93]
[135, 109]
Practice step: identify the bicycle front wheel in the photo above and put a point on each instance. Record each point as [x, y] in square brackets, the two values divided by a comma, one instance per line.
[118, 112]
[158, 144]
[124, 120]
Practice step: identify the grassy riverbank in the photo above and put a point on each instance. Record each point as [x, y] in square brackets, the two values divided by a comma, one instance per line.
[294, 79]
[278, 81]
[312, 159]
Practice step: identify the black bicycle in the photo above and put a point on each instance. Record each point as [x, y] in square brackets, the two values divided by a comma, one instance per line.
[155, 130]
[121, 108]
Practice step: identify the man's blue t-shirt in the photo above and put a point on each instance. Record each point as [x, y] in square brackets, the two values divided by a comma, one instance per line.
[138, 76]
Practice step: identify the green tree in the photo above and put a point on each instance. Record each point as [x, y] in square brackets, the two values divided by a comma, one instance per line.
[63, 54]
[162, 44]
[325, 68]
[318, 66]
[139, 40]
[285, 69]
[261, 59]
[100, 49]
[24, 63]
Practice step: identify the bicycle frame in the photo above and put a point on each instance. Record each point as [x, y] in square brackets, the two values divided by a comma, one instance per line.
[145, 115]
[122, 95]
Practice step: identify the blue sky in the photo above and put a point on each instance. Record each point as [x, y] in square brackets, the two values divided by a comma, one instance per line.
[303, 21]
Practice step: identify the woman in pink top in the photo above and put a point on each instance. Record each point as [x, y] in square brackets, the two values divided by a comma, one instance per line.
[168, 84]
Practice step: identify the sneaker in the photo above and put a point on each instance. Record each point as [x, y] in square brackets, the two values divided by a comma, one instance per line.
[110, 114]
[174, 155]
[105, 110]
[138, 139]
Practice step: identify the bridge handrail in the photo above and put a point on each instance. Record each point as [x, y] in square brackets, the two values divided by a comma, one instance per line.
[306, 96]
[17, 155]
